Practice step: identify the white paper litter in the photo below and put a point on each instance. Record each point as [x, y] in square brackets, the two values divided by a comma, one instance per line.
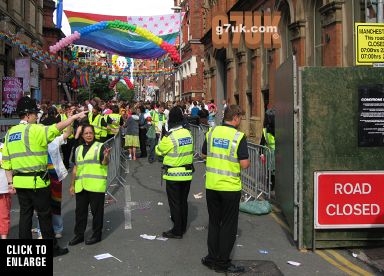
[239, 245]
[198, 195]
[354, 255]
[161, 238]
[160, 203]
[200, 228]
[148, 237]
[105, 256]
[293, 263]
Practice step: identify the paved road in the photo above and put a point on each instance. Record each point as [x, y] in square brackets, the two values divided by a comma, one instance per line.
[138, 256]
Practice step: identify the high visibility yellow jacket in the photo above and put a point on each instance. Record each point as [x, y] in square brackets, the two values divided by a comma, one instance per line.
[177, 149]
[269, 139]
[114, 127]
[223, 166]
[64, 117]
[100, 131]
[91, 175]
[158, 120]
[26, 152]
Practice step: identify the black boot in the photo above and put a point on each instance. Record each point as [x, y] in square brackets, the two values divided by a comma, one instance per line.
[58, 251]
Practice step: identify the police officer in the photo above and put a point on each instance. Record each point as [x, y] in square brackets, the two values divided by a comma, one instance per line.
[226, 151]
[25, 157]
[177, 148]
[158, 121]
[100, 124]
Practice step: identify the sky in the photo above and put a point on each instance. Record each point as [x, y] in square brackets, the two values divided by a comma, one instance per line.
[116, 7]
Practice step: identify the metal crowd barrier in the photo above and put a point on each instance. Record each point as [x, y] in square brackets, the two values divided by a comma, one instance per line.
[198, 135]
[257, 178]
[116, 165]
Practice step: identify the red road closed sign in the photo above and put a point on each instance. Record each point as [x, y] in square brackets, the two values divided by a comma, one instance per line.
[353, 199]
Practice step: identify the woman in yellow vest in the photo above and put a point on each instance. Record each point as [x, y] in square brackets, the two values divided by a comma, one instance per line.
[177, 148]
[89, 183]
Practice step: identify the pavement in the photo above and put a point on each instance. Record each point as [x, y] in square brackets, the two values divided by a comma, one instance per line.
[263, 243]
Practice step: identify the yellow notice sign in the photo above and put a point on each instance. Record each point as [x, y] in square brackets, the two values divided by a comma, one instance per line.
[369, 43]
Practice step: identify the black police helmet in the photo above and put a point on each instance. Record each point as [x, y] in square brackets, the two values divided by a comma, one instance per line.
[26, 105]
[176, 116]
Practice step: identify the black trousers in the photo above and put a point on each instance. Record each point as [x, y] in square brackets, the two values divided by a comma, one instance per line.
[39, 200]
[177, 192]
[67, 150]
[143, 142]
[223, 210]
[96, 201]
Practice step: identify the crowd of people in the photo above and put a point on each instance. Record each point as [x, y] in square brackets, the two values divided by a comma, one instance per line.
[150, 130]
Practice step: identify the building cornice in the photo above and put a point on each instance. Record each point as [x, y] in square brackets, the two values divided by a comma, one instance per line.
[332, 13]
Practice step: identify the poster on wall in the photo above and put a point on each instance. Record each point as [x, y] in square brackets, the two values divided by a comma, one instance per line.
[34, 75]
[23, 70]
[371, 116]
[12, 92]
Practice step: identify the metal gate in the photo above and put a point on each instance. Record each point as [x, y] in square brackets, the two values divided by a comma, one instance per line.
[256, 179]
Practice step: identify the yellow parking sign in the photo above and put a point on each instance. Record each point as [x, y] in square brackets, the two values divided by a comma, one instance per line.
[369, 43]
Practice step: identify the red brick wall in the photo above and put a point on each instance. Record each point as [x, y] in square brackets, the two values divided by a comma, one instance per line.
[332, 51]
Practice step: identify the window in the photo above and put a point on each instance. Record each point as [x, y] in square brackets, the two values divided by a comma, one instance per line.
[285, 34]
[372, 11]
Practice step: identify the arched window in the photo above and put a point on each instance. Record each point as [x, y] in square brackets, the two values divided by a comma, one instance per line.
[285, 34]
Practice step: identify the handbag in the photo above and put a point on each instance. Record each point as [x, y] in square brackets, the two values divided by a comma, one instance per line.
[151, 133]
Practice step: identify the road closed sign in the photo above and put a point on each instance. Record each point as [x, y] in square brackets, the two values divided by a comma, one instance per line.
[353, 199]
[369, 43]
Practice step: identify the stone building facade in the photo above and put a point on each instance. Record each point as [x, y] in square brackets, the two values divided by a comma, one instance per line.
[24, 20]
[317, 32]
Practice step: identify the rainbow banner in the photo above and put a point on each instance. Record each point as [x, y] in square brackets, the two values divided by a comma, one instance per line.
[122, 42]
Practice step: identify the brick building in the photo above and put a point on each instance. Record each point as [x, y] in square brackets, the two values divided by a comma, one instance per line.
[190, 73]
[317, 32]
[51, 74]
[192, 50]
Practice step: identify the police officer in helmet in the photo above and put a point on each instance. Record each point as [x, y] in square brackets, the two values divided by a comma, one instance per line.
[177, 148]
[25, 158]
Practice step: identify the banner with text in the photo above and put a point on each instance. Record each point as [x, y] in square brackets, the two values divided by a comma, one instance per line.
[348, 199]
[12, 92]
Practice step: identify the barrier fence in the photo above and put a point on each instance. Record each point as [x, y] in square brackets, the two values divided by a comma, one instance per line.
[116, 163]
[256, 179]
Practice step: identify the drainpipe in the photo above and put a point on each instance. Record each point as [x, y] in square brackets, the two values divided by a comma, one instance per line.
[380, 18]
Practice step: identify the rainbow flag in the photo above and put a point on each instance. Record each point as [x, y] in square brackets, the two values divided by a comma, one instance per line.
[122, 42]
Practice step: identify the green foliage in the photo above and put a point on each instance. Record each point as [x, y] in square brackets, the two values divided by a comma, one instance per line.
[124, 93]
[100, 88]
[83, 95]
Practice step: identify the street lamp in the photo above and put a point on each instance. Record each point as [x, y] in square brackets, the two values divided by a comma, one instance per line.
[179, 9]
